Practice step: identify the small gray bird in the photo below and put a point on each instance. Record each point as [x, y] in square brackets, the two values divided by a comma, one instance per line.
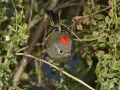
[59, 42]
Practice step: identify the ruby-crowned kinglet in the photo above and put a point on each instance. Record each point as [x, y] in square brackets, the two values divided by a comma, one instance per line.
[59, 42]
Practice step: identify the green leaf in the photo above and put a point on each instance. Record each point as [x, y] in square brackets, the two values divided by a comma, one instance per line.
[65, 87]
[103, 72]
[6, 67]
[1, 83]
[100, 40]
[98, 68]
[92, 27]
[95, 34]
[1, 67]
[107, 56]
[4, 0]
[96, 8]
[25, 76]
[14, 60]
[3, 32]
[117, 21]
[85, 71]
[87, 10]
[19, 18]
[24, 26]
[100, 54]
[110, 75]
[7, 76]
[114, 65]
[1, 74]
[88, 37]
[89, 60]
[100, 16]
[107, 19]
[102, 45]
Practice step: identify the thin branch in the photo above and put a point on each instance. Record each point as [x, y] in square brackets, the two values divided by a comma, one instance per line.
[26, 47]
[64, 72]
[68, 5]
[30, 15]
[100, 11]
[29, 11]
[84, 40]
[93, 14]
[93, 4]
[81, 4]
[97, 86]
[18, 87]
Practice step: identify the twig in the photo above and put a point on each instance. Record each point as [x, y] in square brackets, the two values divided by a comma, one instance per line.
[30, 10]
[94, 13]
[97, 86]
[81, 4]
[93, 4]
[100, 11]
[64, 72]
[76, 36]
[26, 47]
[18, 87]
[84, 40]
[66, 4]
[38, 71]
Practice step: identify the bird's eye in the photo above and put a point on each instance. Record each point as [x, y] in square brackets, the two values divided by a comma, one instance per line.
[61, 51]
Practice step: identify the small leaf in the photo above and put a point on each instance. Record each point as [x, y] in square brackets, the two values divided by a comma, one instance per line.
[92, 27]
[96, 8]
[11, 28]
[3, 32]
[117, 21]
[100, 16]
[95, 34]
[1, 83]
[89, 60]
[107, 19]
[100, 54]
[24, 26]
[93, 21]
[85, 71]
[6, 67]
[101, 40]
[1, 74]
[98, 68]
[102, 45]
[107, 56]
[25, 76]
[88, 37]
[87, 9]
[86, 21]
[79, 27]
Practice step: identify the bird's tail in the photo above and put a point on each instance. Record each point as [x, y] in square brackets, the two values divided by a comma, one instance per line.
[54, 17]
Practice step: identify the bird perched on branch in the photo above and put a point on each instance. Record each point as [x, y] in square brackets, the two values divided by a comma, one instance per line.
[59, 42]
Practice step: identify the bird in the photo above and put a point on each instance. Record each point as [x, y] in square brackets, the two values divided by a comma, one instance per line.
[59, 43]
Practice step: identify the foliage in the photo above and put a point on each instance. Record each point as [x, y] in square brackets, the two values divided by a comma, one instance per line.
[97, 43]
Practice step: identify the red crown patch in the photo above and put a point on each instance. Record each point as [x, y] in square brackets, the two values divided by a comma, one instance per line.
[63, 39]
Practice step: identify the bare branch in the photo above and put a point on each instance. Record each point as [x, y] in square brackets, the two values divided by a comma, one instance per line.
[64, 72]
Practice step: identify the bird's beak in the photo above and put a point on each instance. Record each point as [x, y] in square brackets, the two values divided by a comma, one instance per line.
[68, 55]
